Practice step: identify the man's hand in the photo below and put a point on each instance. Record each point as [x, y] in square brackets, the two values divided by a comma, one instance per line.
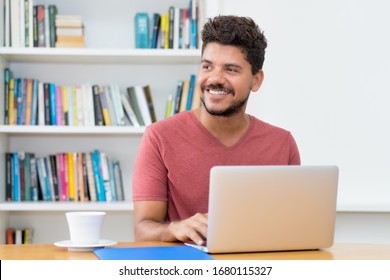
[150, 224]
[193, 228]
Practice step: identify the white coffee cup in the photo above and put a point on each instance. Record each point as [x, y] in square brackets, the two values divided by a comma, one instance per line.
[85, 227]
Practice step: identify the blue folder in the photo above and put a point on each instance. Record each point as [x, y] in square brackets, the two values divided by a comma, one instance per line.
[181, 252]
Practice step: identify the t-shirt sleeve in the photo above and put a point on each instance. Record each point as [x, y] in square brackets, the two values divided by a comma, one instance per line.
[294, 158]
[150, 175]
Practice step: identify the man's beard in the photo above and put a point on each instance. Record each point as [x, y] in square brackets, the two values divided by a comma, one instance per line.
[231, 110]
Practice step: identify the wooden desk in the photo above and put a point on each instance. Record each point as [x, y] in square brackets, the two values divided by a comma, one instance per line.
[337, 252]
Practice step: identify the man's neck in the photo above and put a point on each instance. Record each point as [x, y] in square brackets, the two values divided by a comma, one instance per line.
[228, 130]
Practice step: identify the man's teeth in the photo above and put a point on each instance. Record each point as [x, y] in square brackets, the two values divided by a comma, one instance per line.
[218, 92]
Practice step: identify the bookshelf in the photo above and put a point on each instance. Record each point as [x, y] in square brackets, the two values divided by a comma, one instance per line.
[109, 57]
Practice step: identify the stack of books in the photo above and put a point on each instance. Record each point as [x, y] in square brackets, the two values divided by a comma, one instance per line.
[19, 236]
[63, 176]
[69, 31]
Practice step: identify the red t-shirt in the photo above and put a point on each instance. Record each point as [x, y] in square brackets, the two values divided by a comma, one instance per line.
[175, 157]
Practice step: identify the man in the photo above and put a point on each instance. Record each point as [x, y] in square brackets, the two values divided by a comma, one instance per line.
[171, 176]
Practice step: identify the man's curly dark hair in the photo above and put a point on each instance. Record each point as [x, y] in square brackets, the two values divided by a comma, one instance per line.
[241, 32]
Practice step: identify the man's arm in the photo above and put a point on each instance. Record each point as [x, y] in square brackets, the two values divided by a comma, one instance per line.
[150, 224]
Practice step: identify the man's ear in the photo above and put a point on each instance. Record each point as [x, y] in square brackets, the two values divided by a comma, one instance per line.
[257, 80]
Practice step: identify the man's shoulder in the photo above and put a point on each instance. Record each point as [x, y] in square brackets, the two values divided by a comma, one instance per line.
[265, 126]
[178, 121]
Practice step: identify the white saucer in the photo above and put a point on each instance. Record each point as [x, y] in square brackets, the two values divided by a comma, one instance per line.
[74, 247]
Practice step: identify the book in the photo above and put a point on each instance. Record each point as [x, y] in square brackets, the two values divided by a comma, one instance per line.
[65, 105]
[129, 112]
[104, 106]
[105, 175]
[11, 102]
[52, 12]
[7, 25]
[29, 32]
[100, 191]
[46, 99]
[179, 89]
[29, 93]
[149, 101]
[47, 27]
[58, 105]
[156, 30]
[33, 178]
[70, 31]
[79, 105]
[141, 30]
[43, 181]
[191, 92]
[22, 176]
[35, 26]
[184, 95]
[118, 181]
[80, 177]
[8, 176]
[169, 106]
[110, 105]
[34, 102]
[7, 77]
[87, 196]
[88, 105]
[111, 175]
[15, 19]
[143, 104]
[68, 21]
[16, 175]
[19, 93]
[117, 103]
[41, 104]
[176, 27]
[98, 112]
[49, 179]
[61, 176]
[52, 164]
[40, 12]
[71, 187]
[52, 104]
[76, 186]
[90, 177]
[194, 24]
[27, 172]
[171, 14]
[135, 105]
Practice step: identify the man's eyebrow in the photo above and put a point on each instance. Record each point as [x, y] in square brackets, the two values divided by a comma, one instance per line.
[226, 65]
[233, 65]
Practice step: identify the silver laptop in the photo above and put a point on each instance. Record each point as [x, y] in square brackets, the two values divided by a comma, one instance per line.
[271, 208]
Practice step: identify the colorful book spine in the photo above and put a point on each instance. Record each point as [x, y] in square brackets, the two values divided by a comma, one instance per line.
[59, 112]
[34, 102]
[141, 30]
[7, 77]
[191, 92]
[100, 192]
[16, 172]
[11, 101]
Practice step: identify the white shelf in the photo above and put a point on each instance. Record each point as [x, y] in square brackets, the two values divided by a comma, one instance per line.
[13, 130]
[66, 206]
[101, 56]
